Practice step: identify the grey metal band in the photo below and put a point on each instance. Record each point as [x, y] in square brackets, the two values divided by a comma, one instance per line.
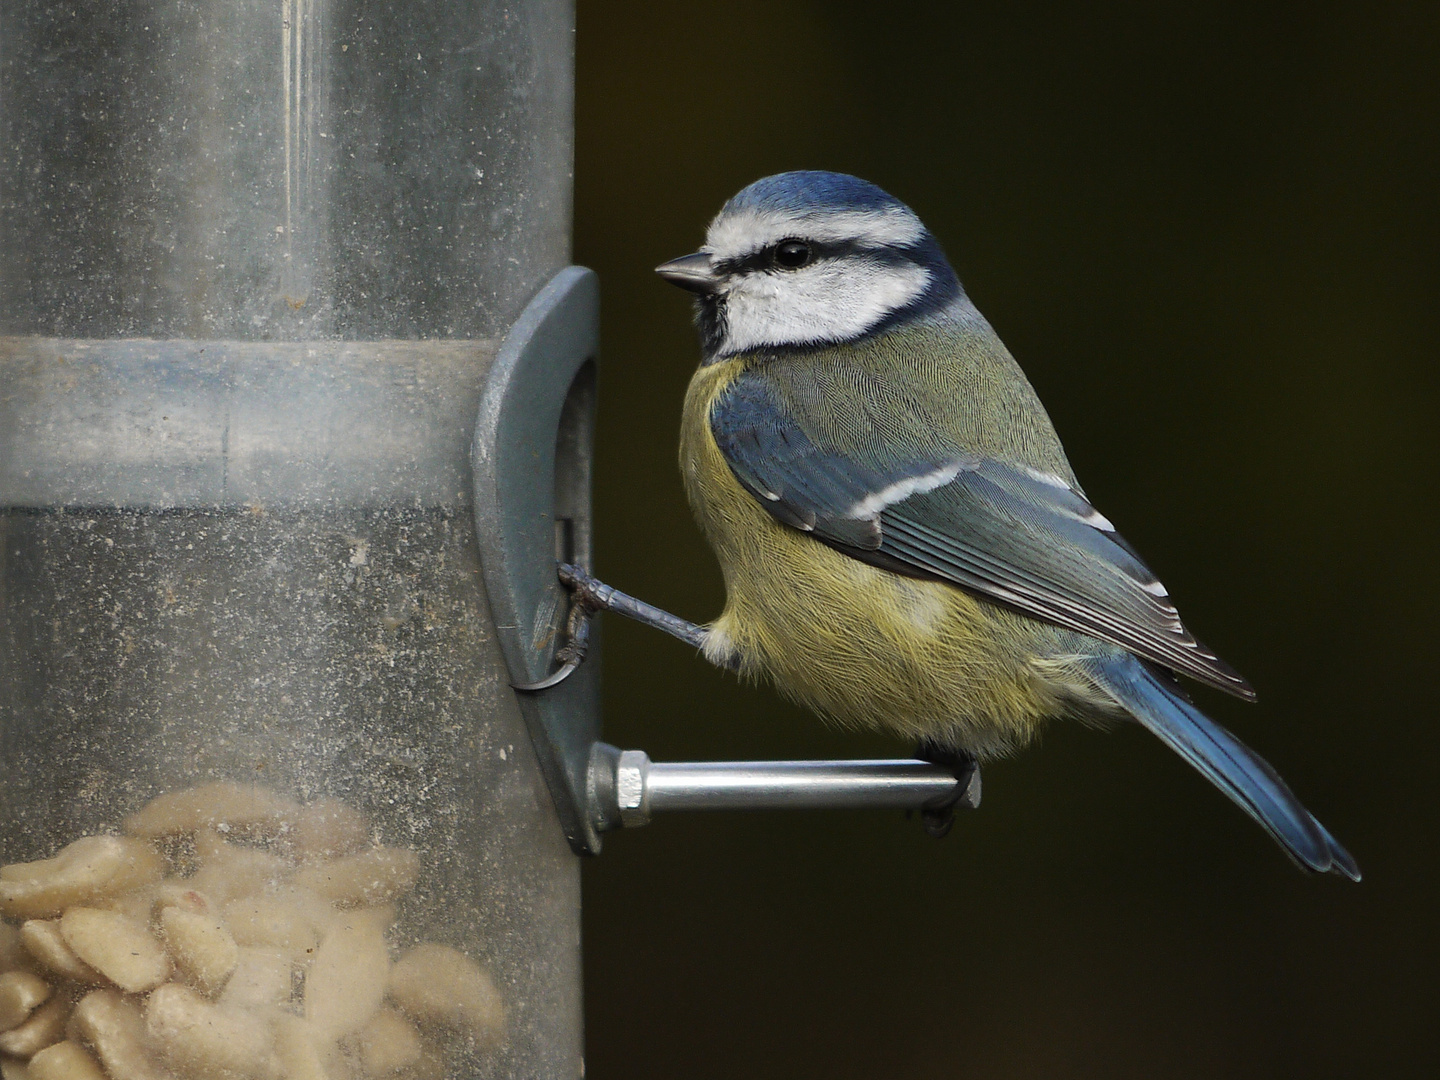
[179, 423]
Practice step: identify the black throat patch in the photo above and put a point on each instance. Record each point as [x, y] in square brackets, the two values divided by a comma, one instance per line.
[710, 320]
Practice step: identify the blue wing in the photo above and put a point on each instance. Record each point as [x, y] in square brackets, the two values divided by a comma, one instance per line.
[1014, 534]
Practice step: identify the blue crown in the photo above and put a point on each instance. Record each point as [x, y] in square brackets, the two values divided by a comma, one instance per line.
[813, 189]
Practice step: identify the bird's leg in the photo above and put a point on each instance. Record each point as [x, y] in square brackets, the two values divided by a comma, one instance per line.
[597, 596]
[587, 596]
[938, 815]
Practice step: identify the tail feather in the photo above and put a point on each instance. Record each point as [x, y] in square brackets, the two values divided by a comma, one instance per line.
[1225, 761]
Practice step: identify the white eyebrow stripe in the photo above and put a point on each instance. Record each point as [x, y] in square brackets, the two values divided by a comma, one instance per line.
[743, 232]
[901, 490]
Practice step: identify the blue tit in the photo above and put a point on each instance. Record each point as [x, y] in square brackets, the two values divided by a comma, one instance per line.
[903, 541]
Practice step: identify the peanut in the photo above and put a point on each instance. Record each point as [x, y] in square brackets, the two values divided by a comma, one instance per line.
[200, 1039]
[181, 893]
[113, 1027]
[347, 978]
[262, 978]
[230, 870]
[223, 805]
[238, 932]
[13, 953]
[328, 827]
[371, 877]
[381, 917]
[137, 904]
[20, 994]
[45, 1026]
[43, 940]
[288, 919]
[435, 984]
[201, 946]
[118, 947]
[90, 867]
[64, 1061]
[388, 1044]
[303, 1053]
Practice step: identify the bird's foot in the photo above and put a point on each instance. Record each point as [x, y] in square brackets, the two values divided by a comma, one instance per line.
[585, 601]
[587, 596]
[585, 591]
[938, 815]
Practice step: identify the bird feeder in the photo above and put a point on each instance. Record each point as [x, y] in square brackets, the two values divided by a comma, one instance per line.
[296, 392]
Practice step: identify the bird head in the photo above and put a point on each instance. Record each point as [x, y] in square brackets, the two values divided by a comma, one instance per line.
[807, 259]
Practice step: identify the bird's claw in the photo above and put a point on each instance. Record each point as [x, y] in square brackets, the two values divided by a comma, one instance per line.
[555, 678]
[938, 815]
[583, 604]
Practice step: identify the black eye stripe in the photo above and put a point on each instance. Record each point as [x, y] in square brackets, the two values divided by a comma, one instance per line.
[764, 258]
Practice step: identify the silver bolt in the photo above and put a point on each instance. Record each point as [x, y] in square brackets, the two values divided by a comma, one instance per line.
[632, 775]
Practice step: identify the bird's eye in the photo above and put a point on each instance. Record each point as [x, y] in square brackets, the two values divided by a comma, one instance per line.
[792, 254]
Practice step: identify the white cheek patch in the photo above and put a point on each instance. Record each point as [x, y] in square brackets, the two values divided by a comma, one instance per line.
[744, 232]
[826, 302]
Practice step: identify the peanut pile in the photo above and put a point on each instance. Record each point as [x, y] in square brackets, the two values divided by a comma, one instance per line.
[267, 960]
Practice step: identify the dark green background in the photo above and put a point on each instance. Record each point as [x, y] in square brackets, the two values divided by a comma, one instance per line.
[1208, 232]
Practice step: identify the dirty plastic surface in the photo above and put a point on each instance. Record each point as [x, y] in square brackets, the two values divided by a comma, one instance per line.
[282, 170]
[256, 260]
[244, 618]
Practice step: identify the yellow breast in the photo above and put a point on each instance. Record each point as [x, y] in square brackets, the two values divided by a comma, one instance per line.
[859, 645]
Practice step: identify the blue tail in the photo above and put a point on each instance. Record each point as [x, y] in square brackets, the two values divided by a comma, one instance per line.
[1225, 761]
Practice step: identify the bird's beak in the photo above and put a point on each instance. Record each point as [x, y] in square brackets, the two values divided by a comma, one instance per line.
[692, 272]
